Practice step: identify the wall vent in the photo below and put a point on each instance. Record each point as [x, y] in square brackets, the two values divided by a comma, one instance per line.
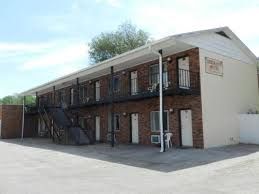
[222, 33]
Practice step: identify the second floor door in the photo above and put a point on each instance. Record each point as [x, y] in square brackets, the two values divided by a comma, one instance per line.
[97, 90]
[184, 73]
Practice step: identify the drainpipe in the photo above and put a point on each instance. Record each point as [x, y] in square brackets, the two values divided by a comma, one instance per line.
[112, 108]
[23, 106]
[161, 106]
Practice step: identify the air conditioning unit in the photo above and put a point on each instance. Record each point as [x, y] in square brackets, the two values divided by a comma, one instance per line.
[155, 139]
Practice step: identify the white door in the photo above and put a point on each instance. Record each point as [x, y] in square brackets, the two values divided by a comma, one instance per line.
[186, 128]
[184, 73]
[97, 128]
[97, 90]
[134, 128]
[134, 82]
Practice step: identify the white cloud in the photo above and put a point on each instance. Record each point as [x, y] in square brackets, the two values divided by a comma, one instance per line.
[68, 55]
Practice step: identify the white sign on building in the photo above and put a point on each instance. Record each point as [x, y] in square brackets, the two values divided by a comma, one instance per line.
[213, 66]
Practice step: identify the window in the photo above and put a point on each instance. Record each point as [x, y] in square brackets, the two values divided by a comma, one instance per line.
[83, 93]
[116, 84]
[82, 122]
[154, 74]
[71, 96]
[116, 122]
[154, 121]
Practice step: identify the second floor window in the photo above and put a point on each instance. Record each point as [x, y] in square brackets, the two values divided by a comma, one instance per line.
[61, 95]
[83, 93]
[71, 96]
[154, 74]
[116, 84]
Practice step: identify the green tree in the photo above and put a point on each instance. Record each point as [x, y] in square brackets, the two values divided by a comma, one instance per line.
[125, 38]
[16, 100]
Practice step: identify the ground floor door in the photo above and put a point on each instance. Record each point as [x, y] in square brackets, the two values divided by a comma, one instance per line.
[186, 127]
[134, 128]
[97, 128]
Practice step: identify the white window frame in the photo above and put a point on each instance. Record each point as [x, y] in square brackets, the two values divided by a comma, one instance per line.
[83, 93]
[158, 121]
[165, 74]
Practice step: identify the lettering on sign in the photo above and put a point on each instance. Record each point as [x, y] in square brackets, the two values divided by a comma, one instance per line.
[214, 66]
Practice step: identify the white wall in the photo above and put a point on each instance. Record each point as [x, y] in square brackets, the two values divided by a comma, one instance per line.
[249, 128]
[224, 97]
[218, 44]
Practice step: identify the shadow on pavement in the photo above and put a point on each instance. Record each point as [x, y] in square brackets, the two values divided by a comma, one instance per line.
[147, 157]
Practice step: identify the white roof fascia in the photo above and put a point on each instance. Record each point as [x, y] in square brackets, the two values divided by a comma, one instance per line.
[165, 42]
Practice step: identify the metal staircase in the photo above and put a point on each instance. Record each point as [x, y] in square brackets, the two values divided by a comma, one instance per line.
[61, 127]
[52, 129]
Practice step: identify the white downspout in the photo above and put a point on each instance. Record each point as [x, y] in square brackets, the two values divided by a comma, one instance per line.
[23, 106]
[160, 98]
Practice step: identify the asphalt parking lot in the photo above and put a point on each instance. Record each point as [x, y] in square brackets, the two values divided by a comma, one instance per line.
[39, 166]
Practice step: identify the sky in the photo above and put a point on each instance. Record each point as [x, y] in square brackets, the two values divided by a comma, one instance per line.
[45, 39]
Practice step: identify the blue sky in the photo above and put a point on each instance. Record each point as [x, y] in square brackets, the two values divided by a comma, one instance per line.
[44, 39]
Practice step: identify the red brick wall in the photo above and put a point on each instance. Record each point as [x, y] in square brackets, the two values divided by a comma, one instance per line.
[144, 107]
[12, 122]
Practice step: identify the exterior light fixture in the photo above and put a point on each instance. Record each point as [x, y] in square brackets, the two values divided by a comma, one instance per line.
[124, 114]
[171, 110]
[169, 59]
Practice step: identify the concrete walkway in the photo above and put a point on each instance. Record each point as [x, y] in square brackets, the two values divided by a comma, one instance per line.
[38, 166]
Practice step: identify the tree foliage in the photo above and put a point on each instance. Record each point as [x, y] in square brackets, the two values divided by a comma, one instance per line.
[16, 100]
[108, 45]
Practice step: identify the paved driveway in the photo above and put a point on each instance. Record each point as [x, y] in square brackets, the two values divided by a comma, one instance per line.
[38, 166]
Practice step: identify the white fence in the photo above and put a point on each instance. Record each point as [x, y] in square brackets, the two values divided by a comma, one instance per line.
[249, 128]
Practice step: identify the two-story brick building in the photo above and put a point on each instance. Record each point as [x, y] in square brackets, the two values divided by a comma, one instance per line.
[208, 78]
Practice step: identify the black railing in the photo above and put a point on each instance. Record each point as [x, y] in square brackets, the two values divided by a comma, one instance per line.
[125, 88]
[180, 82]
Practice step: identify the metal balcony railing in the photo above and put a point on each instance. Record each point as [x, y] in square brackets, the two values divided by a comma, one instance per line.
[181, 81]
[141, 86]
